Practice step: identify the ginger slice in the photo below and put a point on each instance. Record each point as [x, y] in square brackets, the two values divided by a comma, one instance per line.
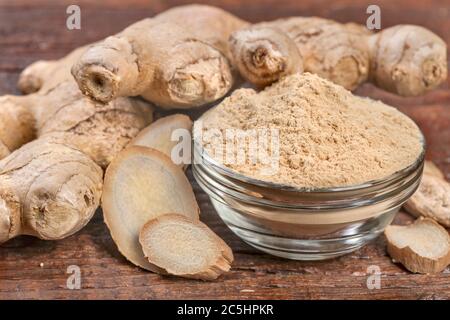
[185, 247]
[141, 184]
[163, 135]
[432, 200]
[423, 247]
[431, 169]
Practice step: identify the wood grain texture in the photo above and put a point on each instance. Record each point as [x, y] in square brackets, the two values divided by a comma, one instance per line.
[35, 269]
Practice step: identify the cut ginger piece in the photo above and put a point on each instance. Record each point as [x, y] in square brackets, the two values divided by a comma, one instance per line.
[431, 200]
[163, 135]
[431, 169]
[422, 247]
[141, 184]
[185, 247]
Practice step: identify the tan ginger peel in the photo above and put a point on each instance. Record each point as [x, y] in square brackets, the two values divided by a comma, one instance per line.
[432, 198]
[51, 187]
[177, 59]
[48, 190]
[407, 60]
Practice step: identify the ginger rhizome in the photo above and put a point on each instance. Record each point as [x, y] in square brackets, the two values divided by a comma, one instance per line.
[44, 75]
[177, 59]
[65, 115]
[432, 198]
[407, 60]
[48, 190]
[50, 187]
[17, 114]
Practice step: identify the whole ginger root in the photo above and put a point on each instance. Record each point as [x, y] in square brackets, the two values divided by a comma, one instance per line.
[44, 75]
[51, 187]
[59, 112]
[17, 113]
[48, 190]
[177, 59]
[405, 59]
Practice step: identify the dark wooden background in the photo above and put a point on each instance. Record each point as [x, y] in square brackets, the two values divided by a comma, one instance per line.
[35, 269]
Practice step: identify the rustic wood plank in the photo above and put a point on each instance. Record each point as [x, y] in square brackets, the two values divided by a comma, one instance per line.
[36, 269]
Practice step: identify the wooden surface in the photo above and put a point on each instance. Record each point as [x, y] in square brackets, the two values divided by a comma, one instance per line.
[31, 268]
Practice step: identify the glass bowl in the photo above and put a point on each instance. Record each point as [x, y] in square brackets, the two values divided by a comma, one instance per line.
[304, 224]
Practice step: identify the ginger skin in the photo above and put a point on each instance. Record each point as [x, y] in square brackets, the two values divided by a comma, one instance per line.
[346, 54]
[59, 112]
[407, 60]
[261, 60]
[44, 75]
[177, 59]
[51, 187]
[17, 113]
[48, 190]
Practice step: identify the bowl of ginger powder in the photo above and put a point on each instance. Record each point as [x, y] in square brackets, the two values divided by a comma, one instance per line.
[305, 169]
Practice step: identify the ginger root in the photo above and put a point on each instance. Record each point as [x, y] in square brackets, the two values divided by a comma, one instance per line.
[44, 75]
[59, 112]
[65, 115]
[141, 184]
[16, 124]
[263, 55]
[177, 59]
[432, 198]
[431, 169]
[423, 247]
[48, 190]
[408, 60]
[405, 59]
[184, 247]
[51, 187]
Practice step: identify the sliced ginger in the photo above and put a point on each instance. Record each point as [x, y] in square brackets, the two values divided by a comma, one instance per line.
[141, 184]
[159, 136]
[431, 169]
[423, 247]
[432, 200]
[185, 247]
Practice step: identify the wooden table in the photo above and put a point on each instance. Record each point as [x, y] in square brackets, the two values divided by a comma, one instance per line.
[31, 268]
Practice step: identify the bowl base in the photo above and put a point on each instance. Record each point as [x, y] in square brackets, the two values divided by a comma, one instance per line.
[304, 250]
[329, 245]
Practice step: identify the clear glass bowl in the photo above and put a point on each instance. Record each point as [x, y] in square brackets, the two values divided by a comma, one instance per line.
[304, 224]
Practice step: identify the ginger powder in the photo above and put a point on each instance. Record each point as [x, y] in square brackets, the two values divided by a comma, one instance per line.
[326, 136]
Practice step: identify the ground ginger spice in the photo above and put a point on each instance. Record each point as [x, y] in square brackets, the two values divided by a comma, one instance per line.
[327, 136]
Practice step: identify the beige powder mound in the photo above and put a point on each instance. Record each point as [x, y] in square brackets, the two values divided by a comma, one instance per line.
[327, 136]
